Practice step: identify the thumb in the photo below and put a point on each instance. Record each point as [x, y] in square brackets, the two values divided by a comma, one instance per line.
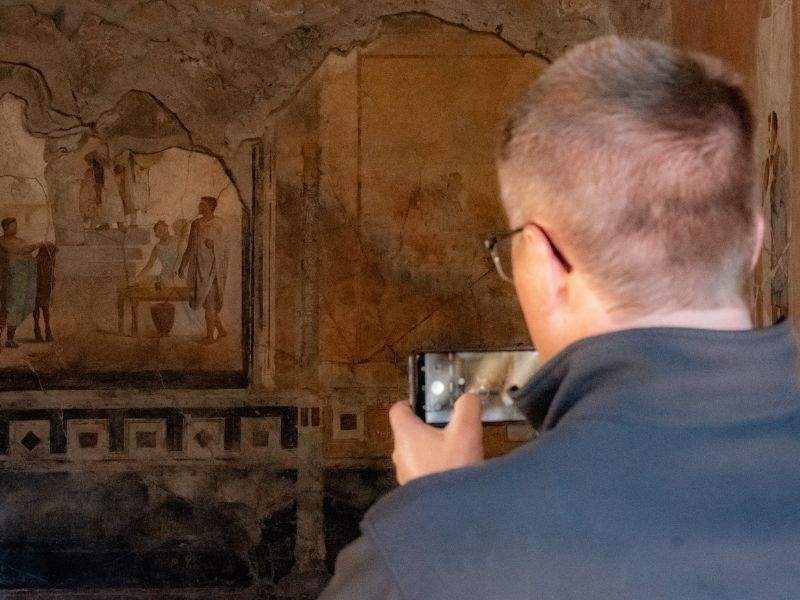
[466, 414]
[402, 418]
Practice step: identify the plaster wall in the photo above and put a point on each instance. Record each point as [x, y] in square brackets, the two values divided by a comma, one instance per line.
[404, 132]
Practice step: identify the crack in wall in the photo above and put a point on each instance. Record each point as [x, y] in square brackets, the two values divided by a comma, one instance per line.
[298, 52]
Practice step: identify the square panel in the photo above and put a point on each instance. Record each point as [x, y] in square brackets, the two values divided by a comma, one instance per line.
[145, 438]
[348, 423]
[87, 439]
[205, 437]
[261, 437]
[29, 439]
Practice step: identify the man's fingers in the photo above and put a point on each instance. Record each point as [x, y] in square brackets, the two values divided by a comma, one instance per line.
[466, 413]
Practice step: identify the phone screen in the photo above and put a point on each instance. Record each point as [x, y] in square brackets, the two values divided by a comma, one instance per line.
[439, 378]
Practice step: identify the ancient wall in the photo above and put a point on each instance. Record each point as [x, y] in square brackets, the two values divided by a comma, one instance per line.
[759, 40]
[401, 136]
[357, 139]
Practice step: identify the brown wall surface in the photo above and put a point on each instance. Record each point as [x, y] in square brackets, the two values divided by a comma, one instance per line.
[403, 131]
[725, 28]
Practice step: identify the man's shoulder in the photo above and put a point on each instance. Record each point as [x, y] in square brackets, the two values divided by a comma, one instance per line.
[427, 529]
[459, 493]
[533, 484]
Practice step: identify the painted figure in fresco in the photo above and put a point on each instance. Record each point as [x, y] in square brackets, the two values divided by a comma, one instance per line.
[17, 279]
[204, 266]
[776, 188]
[45, 279]
[146, 286]
[99, 197]
[166, 253]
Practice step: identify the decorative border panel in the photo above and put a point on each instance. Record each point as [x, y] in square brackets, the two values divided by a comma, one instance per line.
[129, 437]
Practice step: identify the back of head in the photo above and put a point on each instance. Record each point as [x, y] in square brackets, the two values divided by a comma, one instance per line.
[638, 157]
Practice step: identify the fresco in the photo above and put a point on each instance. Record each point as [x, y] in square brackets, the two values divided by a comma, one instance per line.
[772, 283]
[115, 265]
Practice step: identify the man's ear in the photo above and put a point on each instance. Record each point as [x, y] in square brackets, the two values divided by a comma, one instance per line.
[550, 271]
[758, 240]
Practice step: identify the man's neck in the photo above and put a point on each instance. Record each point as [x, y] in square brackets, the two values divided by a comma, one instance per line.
[728, 318]
[731, 318]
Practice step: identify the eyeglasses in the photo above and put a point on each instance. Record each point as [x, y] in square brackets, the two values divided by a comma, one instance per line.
[499, 248]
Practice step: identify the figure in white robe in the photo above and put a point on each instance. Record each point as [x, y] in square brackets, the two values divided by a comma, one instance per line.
[204, 265]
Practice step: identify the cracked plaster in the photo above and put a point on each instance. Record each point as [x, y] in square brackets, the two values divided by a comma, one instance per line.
[224, 68]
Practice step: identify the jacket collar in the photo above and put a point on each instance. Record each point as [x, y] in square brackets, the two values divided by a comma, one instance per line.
[668, 376]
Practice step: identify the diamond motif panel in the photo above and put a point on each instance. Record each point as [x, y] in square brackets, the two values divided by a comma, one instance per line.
[205, 438]
[29, 439]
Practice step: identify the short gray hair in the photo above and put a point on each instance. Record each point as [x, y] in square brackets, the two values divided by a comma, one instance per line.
[638, 157]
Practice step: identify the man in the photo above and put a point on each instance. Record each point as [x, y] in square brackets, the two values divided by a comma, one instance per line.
[17, 279]
[166, 253]
[204, 265]
[666, 465]
[45, 282]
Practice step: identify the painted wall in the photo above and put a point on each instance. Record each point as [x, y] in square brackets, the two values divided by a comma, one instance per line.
[726, 28]
[404, 132]
[255, 490]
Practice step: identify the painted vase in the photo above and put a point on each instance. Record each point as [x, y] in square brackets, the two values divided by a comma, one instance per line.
[163, 315]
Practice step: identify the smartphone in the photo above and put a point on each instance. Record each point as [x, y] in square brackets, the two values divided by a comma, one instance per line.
[437, 379]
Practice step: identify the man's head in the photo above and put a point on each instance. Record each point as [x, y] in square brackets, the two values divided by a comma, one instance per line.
[161, 230]
[9, 225]
[208, 204]
[636, 159]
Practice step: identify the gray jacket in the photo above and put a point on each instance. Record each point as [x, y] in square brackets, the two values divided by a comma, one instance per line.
[668, 467]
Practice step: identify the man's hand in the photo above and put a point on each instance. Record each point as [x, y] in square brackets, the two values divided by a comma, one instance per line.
[420, 449]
